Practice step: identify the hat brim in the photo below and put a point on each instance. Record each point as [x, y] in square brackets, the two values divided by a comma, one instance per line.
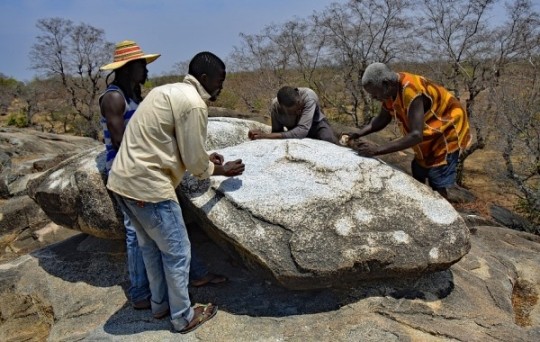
[115, 65]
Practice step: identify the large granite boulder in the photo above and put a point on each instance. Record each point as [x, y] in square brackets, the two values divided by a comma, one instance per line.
[313, 214]
[25, 153]
[225, 132]
[306, 212]
[73, 193]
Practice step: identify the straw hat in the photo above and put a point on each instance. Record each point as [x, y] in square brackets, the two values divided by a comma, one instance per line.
[127, 51]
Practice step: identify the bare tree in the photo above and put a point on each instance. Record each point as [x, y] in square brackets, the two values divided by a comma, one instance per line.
[518, 101]
[469, 55]
[328, 51]
[261, 54]
[9, 90]
[73, 54]
[358, 33]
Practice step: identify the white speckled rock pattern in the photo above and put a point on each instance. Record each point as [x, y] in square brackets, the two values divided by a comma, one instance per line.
[308, 210]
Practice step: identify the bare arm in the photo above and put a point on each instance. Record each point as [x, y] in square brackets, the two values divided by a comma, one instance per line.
[277, 127]
[376, 124]
[414, 137]
[112, 108]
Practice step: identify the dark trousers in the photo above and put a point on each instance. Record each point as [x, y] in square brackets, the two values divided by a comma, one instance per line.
[321, 130]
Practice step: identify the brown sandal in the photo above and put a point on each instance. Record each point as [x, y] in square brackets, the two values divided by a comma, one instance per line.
[202, 314]
[209, 279]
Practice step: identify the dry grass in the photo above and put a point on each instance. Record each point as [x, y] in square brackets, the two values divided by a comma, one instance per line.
[524, 299]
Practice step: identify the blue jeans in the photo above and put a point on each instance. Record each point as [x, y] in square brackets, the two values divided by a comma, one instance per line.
[439, 177]
[166, 251]
[139, 288]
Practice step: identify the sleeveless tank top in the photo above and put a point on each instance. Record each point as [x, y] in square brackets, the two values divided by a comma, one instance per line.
[130, 108]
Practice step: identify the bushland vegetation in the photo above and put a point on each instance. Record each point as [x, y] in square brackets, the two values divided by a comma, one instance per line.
[491, 63]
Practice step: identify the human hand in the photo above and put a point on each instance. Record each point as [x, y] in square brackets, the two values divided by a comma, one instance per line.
[255, 134]
[216, 158]
[366, 148]
[351, 135]
[233, 168]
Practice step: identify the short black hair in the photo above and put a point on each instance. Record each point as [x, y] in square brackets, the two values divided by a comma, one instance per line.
[205, 63]
[288, 96]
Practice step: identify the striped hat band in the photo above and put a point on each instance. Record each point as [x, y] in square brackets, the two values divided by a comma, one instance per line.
[127, 51]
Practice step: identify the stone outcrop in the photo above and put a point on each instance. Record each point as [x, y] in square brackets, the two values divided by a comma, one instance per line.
[75, 290]
[225, 132]
[306, 212]
[24, 155]
[313, 214]
[73, 193]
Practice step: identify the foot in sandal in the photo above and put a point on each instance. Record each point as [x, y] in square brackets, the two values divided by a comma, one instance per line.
[202, 314]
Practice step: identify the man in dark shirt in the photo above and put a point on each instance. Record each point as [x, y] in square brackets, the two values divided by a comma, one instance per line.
[298, 111]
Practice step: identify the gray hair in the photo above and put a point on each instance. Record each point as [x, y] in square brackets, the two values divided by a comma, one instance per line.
[377, 73]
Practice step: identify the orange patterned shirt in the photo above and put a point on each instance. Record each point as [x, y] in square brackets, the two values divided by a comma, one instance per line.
[446, 125]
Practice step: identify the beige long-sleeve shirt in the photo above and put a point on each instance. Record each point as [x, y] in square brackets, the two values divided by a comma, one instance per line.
[164, 138]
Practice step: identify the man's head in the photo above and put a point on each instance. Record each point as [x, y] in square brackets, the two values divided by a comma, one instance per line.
[380, 81]
[290, 101]
[134, 70]
[129, 64]
[209, 70]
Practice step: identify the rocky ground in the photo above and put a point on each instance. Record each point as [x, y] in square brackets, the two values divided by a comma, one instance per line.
[75, 290]
[59, 285]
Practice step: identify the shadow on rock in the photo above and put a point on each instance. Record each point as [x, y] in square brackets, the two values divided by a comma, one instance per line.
[84, 258]
[101, 263]
[250, 294]
[128, 321]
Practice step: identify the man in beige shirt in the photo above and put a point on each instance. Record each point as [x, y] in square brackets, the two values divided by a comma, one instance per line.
[164, 138]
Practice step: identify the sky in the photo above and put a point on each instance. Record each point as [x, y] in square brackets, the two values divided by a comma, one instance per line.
[177, 29]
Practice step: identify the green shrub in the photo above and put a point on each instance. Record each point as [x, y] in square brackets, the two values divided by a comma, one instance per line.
[18, 120]
[227, 99]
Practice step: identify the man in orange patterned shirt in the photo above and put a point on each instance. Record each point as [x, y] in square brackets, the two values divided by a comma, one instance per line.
[433, 122]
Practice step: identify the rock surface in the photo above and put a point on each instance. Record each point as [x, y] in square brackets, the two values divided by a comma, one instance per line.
[225, 132]
[313, 214]
[73, 193]
[25, 152]
[24, 155]
[306, 212]
[75, 290]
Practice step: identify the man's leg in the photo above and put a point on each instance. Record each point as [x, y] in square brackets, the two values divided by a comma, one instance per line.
[323, 131]
[150, 252]
[418, 172]
[197, 268]
[443, 177]
[139, 290]
[164, 225]
[199, 274]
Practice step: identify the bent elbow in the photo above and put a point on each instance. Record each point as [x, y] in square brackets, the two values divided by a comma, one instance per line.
[416, 137]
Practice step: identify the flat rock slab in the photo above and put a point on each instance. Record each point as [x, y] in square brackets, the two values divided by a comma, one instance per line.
[313, 215]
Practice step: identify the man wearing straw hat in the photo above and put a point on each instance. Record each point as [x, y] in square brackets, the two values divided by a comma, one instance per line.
[165, 138]
[117, 104]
